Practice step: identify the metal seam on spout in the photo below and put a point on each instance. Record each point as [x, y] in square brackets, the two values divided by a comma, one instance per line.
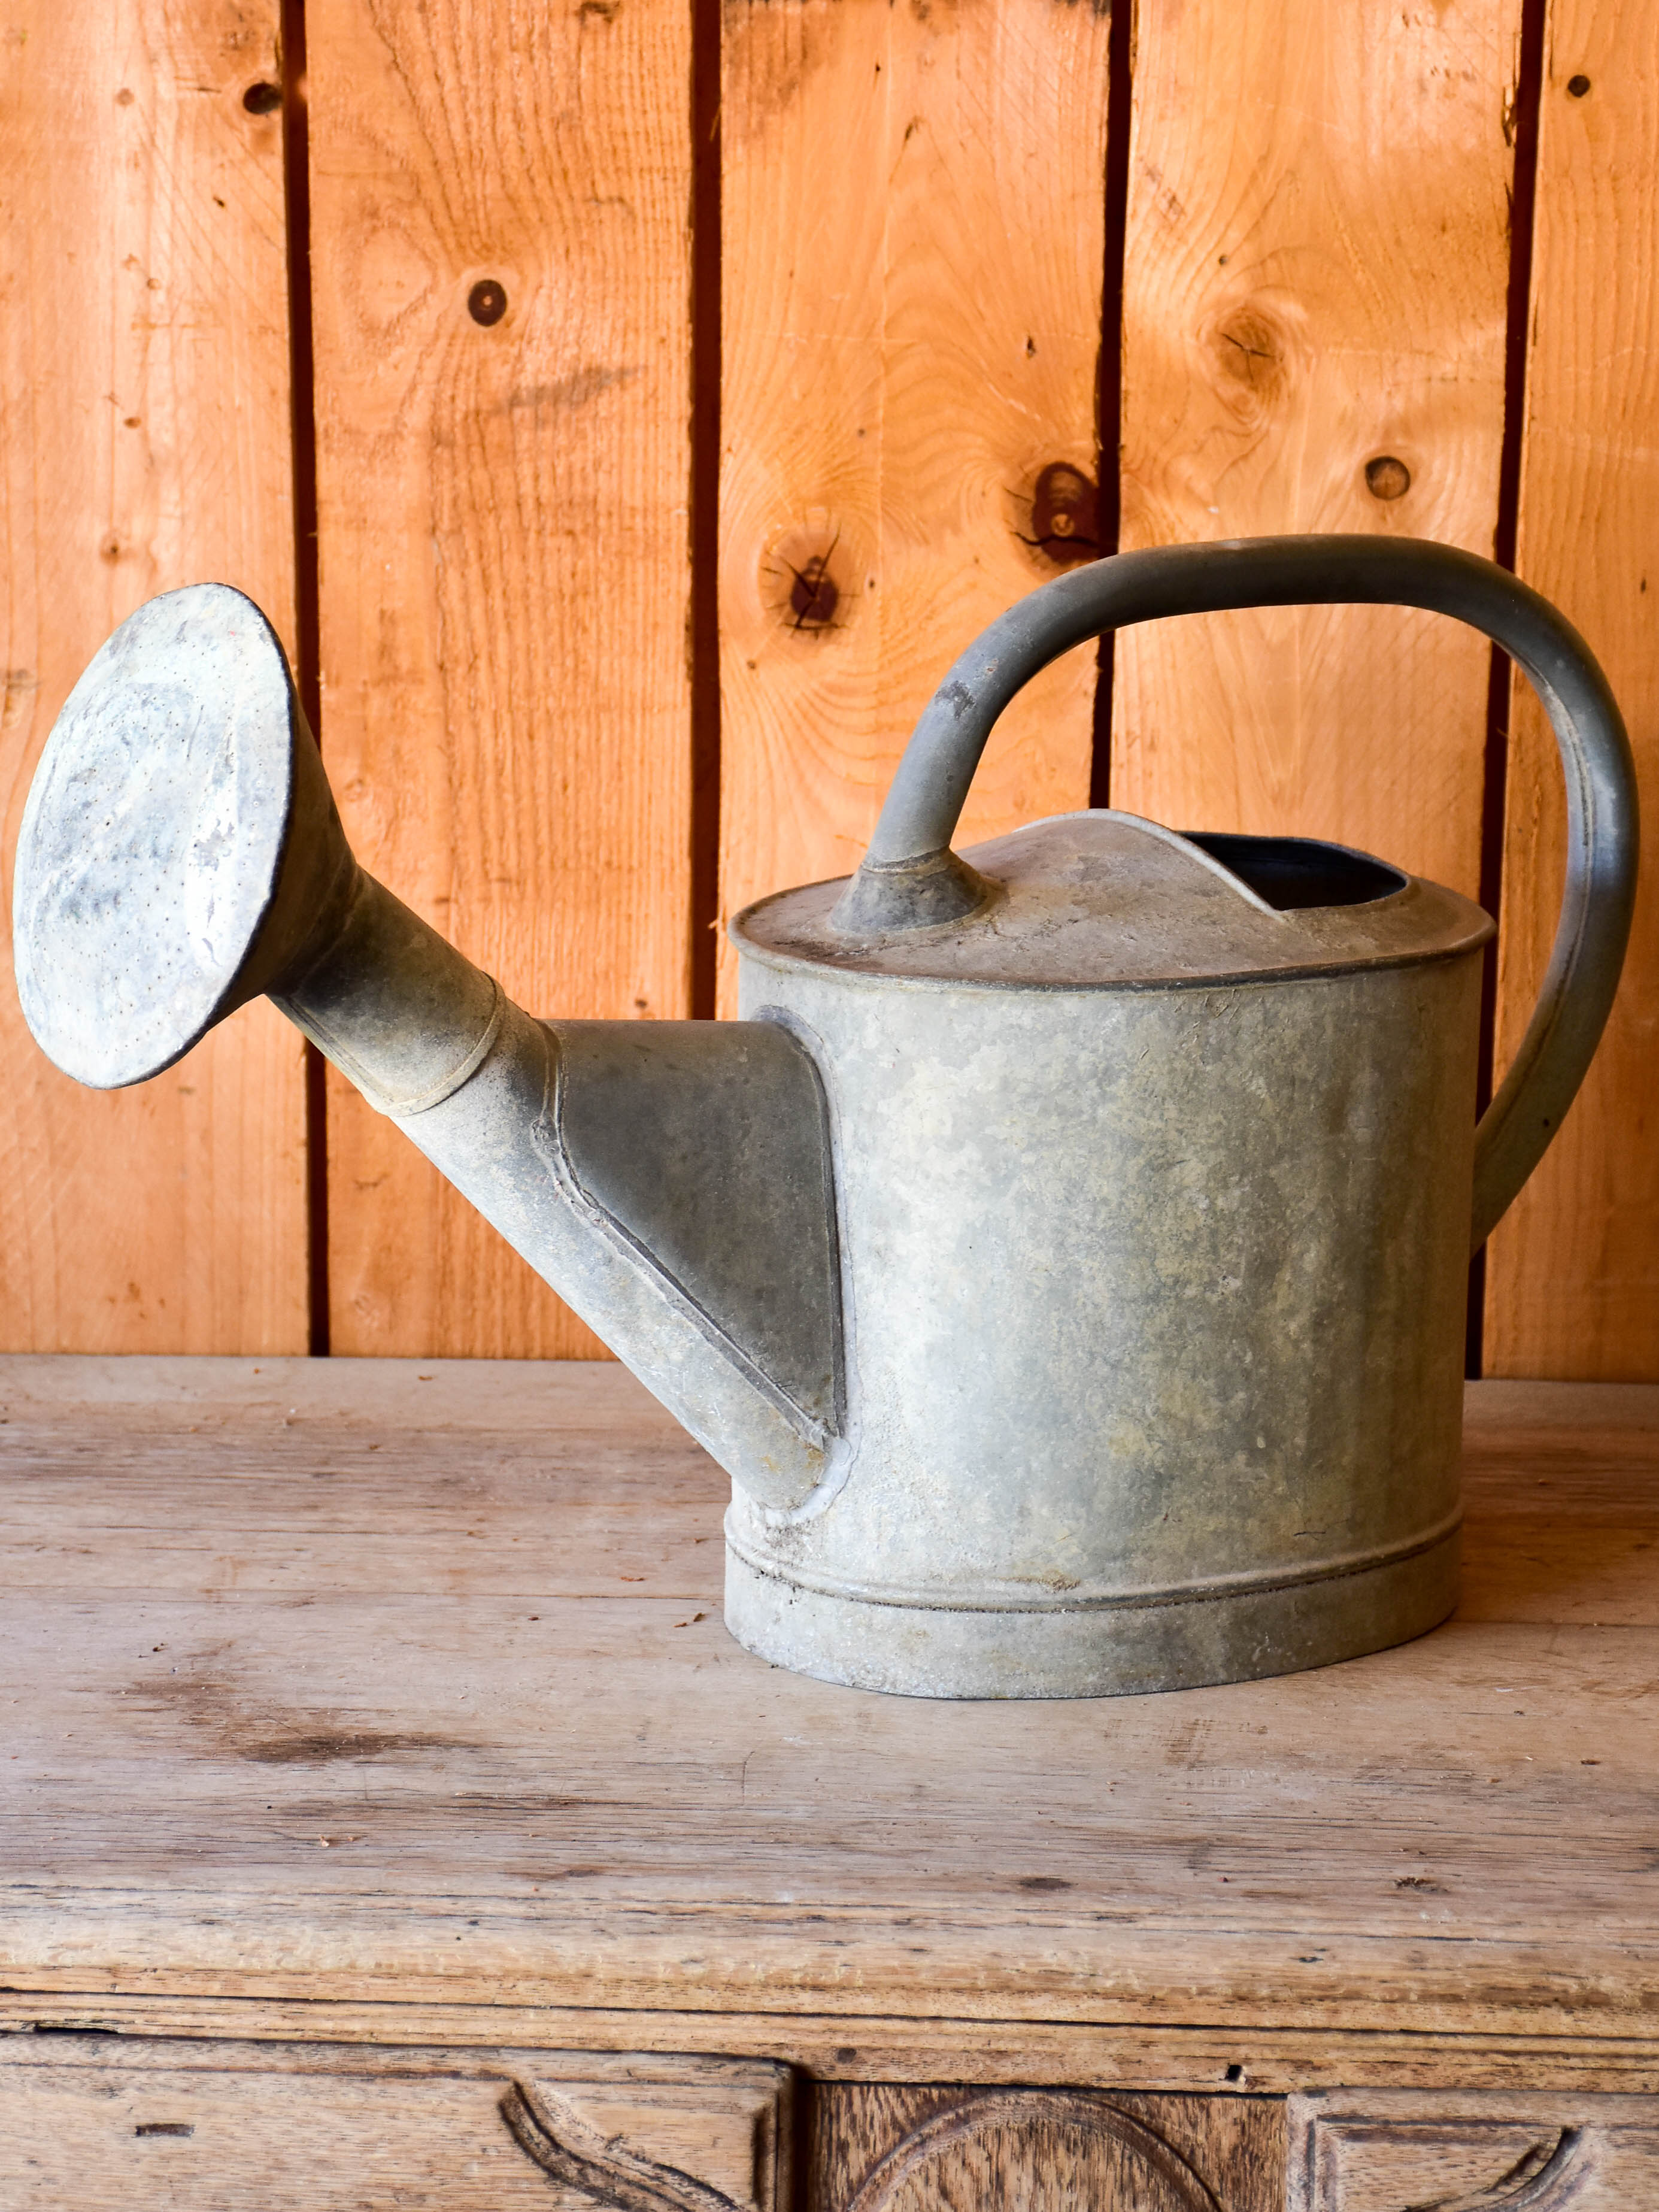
[331, 1044]
[547, 1136]
[447, 1085]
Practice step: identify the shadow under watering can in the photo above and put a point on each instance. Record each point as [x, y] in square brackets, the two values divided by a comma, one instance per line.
[1065, 1252]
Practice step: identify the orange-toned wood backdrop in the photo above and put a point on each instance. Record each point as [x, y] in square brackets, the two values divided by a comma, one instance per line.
[830, 327]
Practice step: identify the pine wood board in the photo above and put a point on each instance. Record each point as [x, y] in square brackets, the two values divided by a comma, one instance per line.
[1573, 1273]
[913, 255]
[504, 559]
[1315, 278]
[274, 1776]
[144, 444]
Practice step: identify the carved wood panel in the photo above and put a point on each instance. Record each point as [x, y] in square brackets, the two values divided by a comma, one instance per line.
[1443, 2151]
[873, 2148]
[105, 2123]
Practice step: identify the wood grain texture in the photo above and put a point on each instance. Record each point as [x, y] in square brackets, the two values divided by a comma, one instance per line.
[913, 211]
[881, 2149]
[1123, 2057]
[241, 2127]
[144, 444]
[504, 558]
[1354, 2152]
[1573, 1273]
[518, 1762]
[1315, 280]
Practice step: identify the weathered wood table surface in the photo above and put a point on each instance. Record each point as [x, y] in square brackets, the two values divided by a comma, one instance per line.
[380, 1787]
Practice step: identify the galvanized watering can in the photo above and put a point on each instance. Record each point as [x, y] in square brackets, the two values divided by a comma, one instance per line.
[1065, 1252]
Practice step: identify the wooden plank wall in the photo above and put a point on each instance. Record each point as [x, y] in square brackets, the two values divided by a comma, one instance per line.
[1315, 285]
[1575, 1269]
[1261, 259]
[914, 256]
[144, 443]
[504, 565]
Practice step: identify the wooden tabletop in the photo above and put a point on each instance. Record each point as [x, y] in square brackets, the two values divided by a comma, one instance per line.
[359, 1683]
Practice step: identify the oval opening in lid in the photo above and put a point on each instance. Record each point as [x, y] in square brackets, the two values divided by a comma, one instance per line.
[1288, 873]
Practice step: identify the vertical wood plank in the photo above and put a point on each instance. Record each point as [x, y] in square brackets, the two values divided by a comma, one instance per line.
[504, 574]
[144, 385]
[914, 210]
[1317, 279]
[1573, 1273]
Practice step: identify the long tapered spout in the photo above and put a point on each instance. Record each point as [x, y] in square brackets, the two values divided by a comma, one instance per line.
[181, 854]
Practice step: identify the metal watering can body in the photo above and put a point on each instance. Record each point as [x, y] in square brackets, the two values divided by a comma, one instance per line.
[1065, 1250]
[1154, 1286]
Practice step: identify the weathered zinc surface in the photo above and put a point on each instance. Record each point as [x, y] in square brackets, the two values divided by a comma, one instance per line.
[1153, 1285]
[1065, 1256]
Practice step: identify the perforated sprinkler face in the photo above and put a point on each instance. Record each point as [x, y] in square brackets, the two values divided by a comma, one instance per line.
[152, 836]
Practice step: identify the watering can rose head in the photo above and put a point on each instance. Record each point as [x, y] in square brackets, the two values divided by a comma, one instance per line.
[1064, 1251]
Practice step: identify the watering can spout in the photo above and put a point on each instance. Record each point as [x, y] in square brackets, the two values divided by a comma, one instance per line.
[181, 854]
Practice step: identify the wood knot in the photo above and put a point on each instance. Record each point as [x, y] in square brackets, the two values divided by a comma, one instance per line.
[1386, 477]
[814, 595]
[1065, 515]
[807, 577]
[1252, 353]
[487, 301]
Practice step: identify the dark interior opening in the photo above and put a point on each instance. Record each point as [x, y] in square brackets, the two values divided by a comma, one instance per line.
[1288, 872]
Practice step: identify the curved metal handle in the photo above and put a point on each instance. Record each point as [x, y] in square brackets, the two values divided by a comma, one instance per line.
[911, 879]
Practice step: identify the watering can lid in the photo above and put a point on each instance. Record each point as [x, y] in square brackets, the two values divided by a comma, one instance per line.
[1103, 899]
